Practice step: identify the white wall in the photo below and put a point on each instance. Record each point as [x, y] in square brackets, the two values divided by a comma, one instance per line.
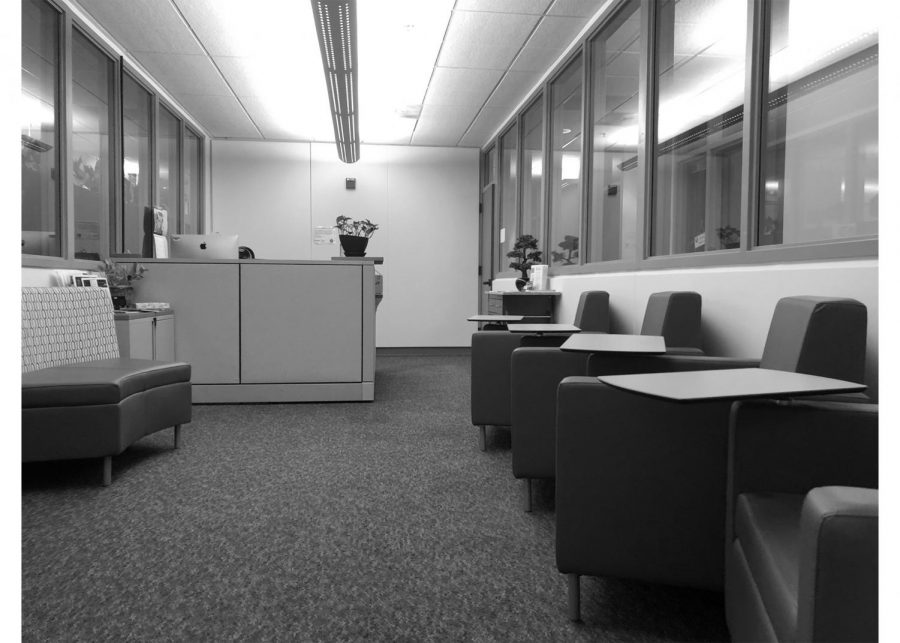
[425, 200]
[738, 302]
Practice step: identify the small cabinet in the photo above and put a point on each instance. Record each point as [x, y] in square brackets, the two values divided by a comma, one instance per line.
[536, 305]
[146, 335]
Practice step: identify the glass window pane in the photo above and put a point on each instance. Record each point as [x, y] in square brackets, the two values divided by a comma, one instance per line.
[41, 230]
[91, 153]
[701, 61]
[192, 178]
[532, 171]
[820, 160]
[565, 185]
[136, 166]
[509, 150]
[615, 179]
[169, 166]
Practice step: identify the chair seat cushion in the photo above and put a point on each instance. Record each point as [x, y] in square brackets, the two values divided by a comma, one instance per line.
[107, 381]
[768, 527]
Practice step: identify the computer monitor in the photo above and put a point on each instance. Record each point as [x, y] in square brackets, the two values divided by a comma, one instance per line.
[203, 246]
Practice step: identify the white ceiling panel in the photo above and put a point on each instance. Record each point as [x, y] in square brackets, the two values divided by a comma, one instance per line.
[442, 124]
[183, 74]
[144, 25]
[222, 116]
[473, 41]
[504, 6]
[294, 125]
[485, 124]
[514, 86]
[553, 36]
[249, 27]
[577, 8]
[454, 86]
[254, 76]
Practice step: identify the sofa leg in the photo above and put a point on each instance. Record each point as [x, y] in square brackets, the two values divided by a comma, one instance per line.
[107, 470]
[528, 494]
[574, 597]
[482, 437]
[177, 435]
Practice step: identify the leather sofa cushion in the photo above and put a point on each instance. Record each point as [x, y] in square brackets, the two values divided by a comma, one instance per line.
[107, 381]
[768, 527]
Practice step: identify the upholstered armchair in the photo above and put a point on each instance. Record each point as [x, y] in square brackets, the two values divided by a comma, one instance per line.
[802, 522]
[537, 371]
[640, 481]
[491, 350]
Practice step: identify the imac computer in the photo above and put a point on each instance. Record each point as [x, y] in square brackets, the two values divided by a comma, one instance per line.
[203, 246]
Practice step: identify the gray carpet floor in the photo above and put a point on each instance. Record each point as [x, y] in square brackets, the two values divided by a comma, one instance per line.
[321, 522]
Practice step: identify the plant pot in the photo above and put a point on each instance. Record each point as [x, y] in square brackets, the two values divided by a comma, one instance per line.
[521, 283]
[122, 296]
[354, 246]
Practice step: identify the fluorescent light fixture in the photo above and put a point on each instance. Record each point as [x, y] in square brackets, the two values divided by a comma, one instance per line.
[570, 169]
[336, 30]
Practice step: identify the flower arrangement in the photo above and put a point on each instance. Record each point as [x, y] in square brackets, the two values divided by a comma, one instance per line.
[120, 274]
[347, 226]
[525, 253]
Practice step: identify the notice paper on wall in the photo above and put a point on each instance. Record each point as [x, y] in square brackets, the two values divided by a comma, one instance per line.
[324, 235]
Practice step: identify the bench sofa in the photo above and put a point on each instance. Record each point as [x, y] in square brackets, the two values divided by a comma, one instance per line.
[80, 399]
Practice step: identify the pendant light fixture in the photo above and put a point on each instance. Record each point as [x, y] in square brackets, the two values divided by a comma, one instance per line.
[336, 30]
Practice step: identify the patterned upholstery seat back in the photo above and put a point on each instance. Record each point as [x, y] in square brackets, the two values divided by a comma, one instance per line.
[66, 326]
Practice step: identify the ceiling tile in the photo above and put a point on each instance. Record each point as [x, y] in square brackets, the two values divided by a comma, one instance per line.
[255, 76]
[483, 127]
[504, 6]
[513, 87]
[472, 39]
[300, 124]
[144, 25]
[577, 8]
[442, 124]
[454, 86]
[221, 116]
[184, 74]
[553, 36]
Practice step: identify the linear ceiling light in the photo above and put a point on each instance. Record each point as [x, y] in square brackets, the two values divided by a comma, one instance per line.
[336, 30]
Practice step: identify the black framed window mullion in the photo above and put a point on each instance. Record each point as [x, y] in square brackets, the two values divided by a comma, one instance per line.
[757, 80]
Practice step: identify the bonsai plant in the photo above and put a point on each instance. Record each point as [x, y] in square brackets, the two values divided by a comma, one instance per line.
[729, 237]
[354, 235]
[525, 255]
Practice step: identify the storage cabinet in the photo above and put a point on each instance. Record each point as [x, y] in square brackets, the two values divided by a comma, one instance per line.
[146, 335]
[536, 305]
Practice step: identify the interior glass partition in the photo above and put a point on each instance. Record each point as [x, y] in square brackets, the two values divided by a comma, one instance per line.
[190, 214]
[136, 116]
[532, 173]
[820, 134]
[41, 229]
[169, 167]
[509, 157]
[566, 119]
[91, 153]
[701, 51]
[615, 175]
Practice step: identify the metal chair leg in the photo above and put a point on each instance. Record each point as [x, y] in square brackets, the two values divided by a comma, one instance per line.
[177, 435]
[107, 470]
[574, 597]
[528, 494]
[482, 438]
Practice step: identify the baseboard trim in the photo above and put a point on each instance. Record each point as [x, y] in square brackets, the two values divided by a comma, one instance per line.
[401, 351]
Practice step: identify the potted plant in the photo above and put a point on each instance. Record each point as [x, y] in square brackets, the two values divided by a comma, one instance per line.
[354, 235]
[525, 255]
[120, 278]
[570, 251]
[729, 237]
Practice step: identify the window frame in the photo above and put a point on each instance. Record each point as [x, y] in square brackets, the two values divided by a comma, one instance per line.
[752, 187]
[111, 228]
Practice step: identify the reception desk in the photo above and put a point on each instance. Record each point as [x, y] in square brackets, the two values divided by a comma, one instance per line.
[269, 330]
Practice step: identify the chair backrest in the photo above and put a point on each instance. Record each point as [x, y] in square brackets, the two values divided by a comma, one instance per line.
[66, 325]
[823, 336]
[676, 316]
[592, 314]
